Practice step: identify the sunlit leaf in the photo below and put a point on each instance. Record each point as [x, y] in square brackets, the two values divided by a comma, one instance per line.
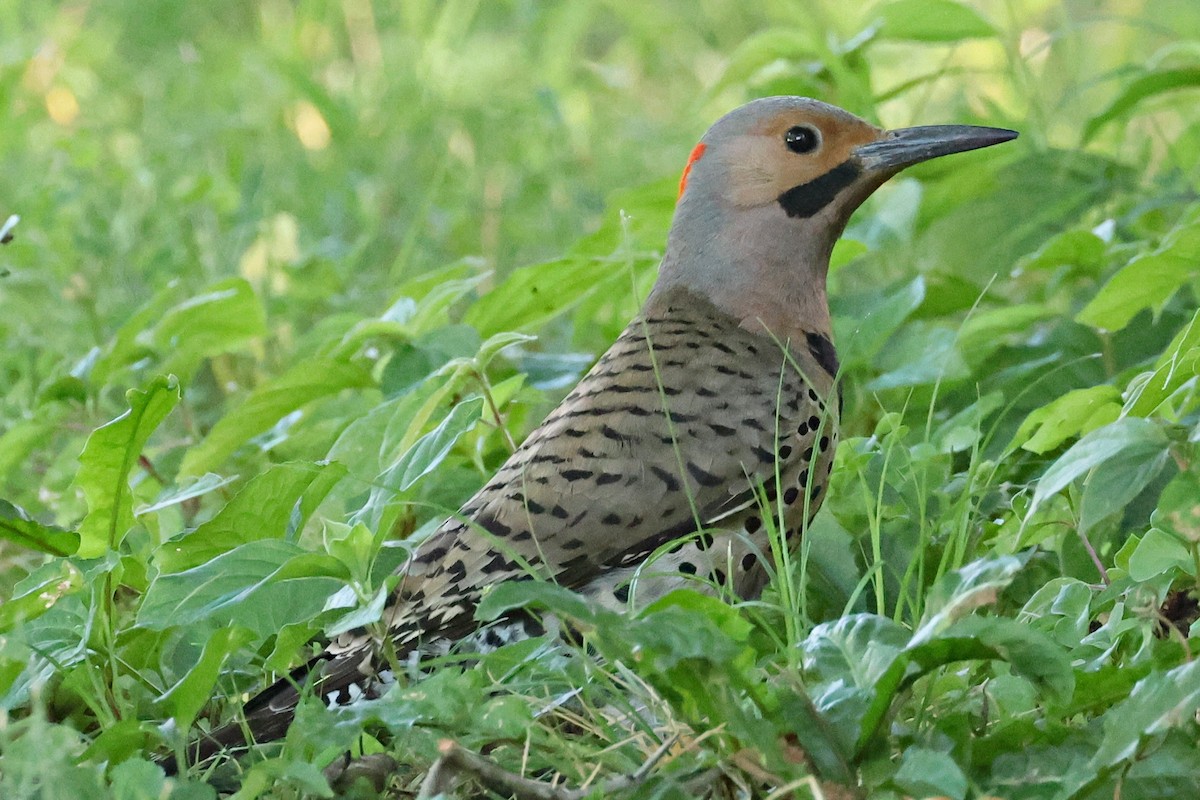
[108, 458]
[18, 528]
[264, 407]
[1133, 437]
[932, 21]
[1134, 93]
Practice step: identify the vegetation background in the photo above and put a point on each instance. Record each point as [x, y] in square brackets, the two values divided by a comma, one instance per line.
[271, 308]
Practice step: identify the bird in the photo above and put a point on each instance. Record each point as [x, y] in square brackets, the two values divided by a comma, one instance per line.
[711, 421]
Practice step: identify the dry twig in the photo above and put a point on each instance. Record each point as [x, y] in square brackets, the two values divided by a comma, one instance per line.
[456, 760]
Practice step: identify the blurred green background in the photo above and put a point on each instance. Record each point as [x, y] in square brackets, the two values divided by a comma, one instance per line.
[329, 150]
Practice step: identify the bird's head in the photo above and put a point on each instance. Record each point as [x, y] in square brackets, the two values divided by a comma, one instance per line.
[768, 190]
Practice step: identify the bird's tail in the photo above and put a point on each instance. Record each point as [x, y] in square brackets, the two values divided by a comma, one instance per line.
[265, 718]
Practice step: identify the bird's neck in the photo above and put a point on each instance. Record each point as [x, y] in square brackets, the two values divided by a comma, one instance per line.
[768, 272]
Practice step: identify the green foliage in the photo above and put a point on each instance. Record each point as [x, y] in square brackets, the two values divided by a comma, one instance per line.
[292, 280]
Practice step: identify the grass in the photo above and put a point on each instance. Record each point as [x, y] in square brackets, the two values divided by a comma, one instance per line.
[375, 243]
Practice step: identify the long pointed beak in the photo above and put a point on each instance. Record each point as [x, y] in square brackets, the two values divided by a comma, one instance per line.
[907, 146]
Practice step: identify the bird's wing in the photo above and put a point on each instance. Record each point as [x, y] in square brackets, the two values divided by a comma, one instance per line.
[674, 427]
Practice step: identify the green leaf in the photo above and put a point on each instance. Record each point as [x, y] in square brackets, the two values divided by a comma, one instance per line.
[1159, 553]
[1176, 368]
[864, 322]
[920, 354]
[303, 383]
[432, 448]
[857, 648]
[511, 595]
[262, 585]
[222, 318]
[962, 591]
[764, 48]
[932, 21]
[1076, 248]
[1131, 437]
[1112, 485]
[109, 457]
[531, 296]
[1178, 511]
[925, 773]
[1030, 653]
[1149, 280]
[185, 699]
[137, 779]
[262, 509]
[38, 593]
[17, 527]
[190, 490]
[1160, 702]
[1135, 92]
[1077, 412]
[119, 744]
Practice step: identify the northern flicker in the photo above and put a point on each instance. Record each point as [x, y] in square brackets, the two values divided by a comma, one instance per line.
[716, 404]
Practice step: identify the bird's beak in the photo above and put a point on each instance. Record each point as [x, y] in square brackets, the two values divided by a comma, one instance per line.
[907, 146]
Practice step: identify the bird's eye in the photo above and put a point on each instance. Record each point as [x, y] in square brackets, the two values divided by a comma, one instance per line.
[801, 139]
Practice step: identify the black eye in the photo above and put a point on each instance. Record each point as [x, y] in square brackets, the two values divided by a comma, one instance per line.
[801, 139]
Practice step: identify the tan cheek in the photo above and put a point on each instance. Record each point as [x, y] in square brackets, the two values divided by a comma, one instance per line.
[759, 172]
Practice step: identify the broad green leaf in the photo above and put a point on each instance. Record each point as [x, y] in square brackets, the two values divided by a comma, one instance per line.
[223, 317]
[1160, 702]
[920, 354]
[25, 436]
[1178, 511]
[127, 345]
[185, 699]
[864, 322]
[1175, 368]
[248, 584]
[530, 296]
[1112, 485]
[932, 21]
[366, 614]
[303, 383]
[962, 591]
[1077, 248]
[856, 649]
[1149, 280]
[432, 448]
[511, 595]
[1135, 92]
[1131, 436]
[137, 779]
[190, 490]
[764, 48]
[1159, 553]
[986, 331]
[107, 460]
[120, 744]
[38, 593]
[924, 773]
[1030, 653]
[18, 528]
[1079, 411]
[262, 509]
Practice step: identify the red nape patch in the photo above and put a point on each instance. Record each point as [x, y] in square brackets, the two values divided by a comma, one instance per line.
[697, 151]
